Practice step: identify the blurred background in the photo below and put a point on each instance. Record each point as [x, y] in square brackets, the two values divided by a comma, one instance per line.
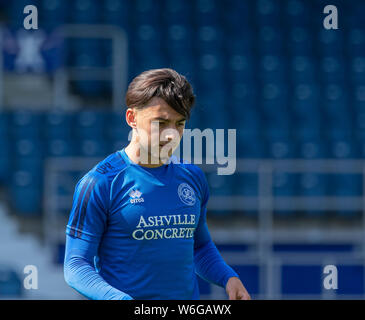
[294, 91]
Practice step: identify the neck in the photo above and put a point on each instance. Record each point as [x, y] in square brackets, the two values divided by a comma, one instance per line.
[133, 151]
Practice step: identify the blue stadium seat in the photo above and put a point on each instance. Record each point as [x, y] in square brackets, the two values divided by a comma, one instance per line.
[26, 124]
[357, 70]
[300, 41]
[5, 159]
[85, 11]
[209, 37]
[178, 12]
[274, 100]
[90, 124]
[26, 192]
[58, 125]
[61, 147]
[241, 68]
[28, 154]
[270, 40]
[147, 38]
[331, 42]
[356, 39]
[238, 17]
[98, 148]
[207, 12]
[303, 69]
[242, 43]
[272, 68]
[304, 101]
[210, 71]
[267, 12]
[117, 12]
[333, 69]
[298, 12]
[308, 283]
[53, 14]
[10, 283]
[179, 40]
[243, 97]
[144, 12]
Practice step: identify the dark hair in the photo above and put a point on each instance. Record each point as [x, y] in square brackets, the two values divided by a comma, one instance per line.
[164, 83]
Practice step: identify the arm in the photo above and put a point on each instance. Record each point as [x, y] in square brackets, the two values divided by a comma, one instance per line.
[80, 274]
[209, 264]
[86, 225]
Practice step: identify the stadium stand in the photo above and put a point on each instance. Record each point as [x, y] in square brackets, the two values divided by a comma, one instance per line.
[268, 68]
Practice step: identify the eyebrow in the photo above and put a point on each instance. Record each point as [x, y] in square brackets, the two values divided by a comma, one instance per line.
[166, 119]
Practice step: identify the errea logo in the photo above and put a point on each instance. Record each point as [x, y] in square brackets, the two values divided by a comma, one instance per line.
[135, 196]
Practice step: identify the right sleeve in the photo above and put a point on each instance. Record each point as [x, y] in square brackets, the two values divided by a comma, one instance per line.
[88, 216]
[80, 274]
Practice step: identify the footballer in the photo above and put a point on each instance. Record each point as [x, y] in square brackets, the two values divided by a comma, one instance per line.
[137, 228]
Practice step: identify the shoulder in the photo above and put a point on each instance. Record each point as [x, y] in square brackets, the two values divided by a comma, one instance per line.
[103, 173]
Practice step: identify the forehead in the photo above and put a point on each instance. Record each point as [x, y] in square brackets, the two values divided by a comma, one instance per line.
[158, 107]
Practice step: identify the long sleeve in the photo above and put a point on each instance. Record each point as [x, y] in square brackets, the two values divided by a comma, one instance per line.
[80, 273]
[209, 264]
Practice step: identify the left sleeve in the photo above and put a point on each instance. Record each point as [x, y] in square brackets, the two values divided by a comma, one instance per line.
[209, 264]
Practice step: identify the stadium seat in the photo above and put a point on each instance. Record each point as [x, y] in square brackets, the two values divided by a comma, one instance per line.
[90, 124]
[60, 147]
[356, 42]
[303, 69]
[238, 13]
[208, 38]
[178, 12]
[274, 100]
[207, 12]
[26, 124]
[98, 148]
[117, 12]
[53, 14]
[297, 13]
[144, 12]
[332, 69]
[179, 40]
[241, 68]
[10, 283]
[268, 13]
[58, 125]
[331, 42]
[309, 283]
[300, 41]
[26, 193]
[270, 40]
[85, 11]
[272, 68]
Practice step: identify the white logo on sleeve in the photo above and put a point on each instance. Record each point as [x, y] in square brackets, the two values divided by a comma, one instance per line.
[136, 196]
[186, 194]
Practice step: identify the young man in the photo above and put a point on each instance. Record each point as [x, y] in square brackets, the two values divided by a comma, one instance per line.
[137, 228]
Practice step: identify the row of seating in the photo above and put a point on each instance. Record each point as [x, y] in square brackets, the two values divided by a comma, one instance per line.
[243, 12]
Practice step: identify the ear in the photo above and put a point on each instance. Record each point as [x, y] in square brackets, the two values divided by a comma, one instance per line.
[130, 117]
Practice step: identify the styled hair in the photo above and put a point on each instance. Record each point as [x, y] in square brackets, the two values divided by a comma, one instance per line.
[164, 83]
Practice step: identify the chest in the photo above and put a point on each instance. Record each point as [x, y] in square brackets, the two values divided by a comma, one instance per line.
[144, 202]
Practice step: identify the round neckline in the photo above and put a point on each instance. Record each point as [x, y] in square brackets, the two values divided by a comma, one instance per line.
[155, 169]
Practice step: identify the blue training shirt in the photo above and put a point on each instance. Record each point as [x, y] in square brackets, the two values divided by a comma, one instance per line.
[149, 225]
